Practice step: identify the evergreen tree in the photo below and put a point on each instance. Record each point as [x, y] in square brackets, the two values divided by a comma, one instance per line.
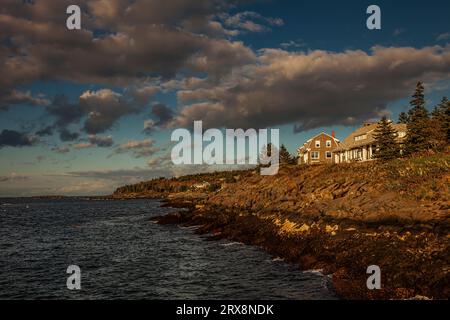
[385, 138]
[285, 156]
[440, 125]
[417, 139]
[447, 118]
[403, 118]
[442, 113]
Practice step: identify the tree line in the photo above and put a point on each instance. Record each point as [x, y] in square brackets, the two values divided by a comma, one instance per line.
[425, 132]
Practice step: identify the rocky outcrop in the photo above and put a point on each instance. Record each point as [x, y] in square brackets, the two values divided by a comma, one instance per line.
[341, 219]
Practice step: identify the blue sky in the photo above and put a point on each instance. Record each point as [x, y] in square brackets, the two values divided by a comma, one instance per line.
[256, 41]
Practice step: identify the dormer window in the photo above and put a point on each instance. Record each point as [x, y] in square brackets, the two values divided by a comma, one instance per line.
[361, 137]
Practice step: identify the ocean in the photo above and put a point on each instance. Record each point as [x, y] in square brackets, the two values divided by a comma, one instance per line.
[122, 254]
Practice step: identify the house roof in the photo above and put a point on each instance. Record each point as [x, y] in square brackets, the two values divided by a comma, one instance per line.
[368, 130]
[308, 142]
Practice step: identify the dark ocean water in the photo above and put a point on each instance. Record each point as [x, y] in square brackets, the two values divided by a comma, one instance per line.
[123, 255]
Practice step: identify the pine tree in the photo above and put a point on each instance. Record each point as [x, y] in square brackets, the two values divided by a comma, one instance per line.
[442, 114]
[403, 118]
[447, 118]
[440, 125]
[385, 138]
[417, 139]
[285, 156]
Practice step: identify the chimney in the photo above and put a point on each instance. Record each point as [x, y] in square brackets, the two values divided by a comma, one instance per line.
[333, 134]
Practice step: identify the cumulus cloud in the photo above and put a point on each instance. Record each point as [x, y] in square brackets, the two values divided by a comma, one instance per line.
[250, 21]
[164, 115]
[143, 94]
[104, 107]
[64, 112]
[175, 12]
[139, 149]
[161, 162]
[148, 47]
[101, 141]
[12, 138]
[313, 89]
[15, 97]
[187, 83]
[140, 39]
[143, 44]
[100, 110]
[96, 141]
[149, 126]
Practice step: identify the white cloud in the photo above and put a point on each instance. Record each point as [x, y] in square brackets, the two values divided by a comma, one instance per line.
[139, 149]
[313, 89]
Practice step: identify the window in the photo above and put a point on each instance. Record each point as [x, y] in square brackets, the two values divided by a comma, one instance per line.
[328, 143]
[314, 155]
[362, 137]
[328, 154]
[317, 143]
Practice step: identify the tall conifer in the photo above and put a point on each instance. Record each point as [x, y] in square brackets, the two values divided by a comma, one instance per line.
[386, 139]
[417, 139]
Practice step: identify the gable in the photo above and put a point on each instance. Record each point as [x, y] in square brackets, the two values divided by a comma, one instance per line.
[310, 144]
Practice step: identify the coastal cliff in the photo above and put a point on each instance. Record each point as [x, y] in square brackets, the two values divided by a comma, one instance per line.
[337, 218]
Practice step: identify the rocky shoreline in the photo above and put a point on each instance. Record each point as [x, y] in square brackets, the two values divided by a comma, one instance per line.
[339, 226]
[408, 260]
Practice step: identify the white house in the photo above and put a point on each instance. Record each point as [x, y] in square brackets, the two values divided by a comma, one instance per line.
[361, 146]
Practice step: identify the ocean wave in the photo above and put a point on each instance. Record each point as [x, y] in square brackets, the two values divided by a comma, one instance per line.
[231, 244]
[189, 227]
[314, 271]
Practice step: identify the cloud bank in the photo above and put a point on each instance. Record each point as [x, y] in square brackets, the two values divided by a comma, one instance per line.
[313, 89]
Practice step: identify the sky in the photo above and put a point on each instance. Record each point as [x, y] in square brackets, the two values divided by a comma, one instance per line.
[85, 111]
